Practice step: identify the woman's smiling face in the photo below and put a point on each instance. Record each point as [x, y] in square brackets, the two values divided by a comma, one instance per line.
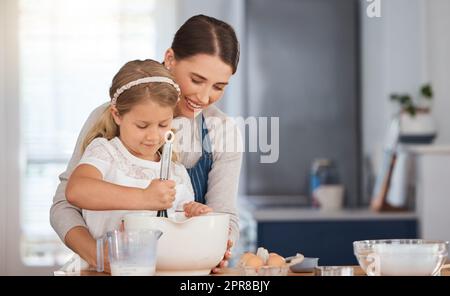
[202, 79]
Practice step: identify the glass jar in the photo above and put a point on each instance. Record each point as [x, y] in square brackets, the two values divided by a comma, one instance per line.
[323, 172]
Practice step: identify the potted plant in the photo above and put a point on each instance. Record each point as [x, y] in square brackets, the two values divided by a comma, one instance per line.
[417, 125]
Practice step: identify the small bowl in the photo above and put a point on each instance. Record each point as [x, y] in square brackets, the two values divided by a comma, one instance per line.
[265, 270]
[307, 265]
[333, 271]
[401, 257]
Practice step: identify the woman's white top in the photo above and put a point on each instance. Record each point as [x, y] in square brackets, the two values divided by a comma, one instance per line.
[118, 166]
[223, 179]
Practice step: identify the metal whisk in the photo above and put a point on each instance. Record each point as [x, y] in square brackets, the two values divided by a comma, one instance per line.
[166, 159]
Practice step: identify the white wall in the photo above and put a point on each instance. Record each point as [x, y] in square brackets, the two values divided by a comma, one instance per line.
[408, 46]
[438, 57]
[391, 62]
[433, 199]
[166, 21]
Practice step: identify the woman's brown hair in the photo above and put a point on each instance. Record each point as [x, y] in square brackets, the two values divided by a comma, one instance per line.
[205, 34]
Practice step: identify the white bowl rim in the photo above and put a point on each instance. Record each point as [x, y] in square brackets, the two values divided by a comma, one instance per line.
[400, 242]
[143, 214]
[152, 215]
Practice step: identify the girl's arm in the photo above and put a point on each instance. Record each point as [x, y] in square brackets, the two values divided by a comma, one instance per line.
[87, 189]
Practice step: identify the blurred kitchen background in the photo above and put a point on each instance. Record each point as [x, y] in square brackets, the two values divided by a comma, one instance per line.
[325, 68]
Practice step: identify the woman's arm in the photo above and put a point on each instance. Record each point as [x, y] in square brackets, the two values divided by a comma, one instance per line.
[223, 180]
[79, 240]
[63, 215]
[65, 218]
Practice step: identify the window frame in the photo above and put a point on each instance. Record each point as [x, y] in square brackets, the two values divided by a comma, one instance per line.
[13, 160]
[12, 157]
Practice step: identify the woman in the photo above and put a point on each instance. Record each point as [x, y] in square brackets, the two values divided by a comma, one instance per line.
[203, 57]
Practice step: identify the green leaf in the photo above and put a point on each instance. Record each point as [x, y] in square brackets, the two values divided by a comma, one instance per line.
[405, 100]
[411, 110]
[427, 91]
[395, 97]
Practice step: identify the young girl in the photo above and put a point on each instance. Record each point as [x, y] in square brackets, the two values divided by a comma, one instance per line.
[122, 153]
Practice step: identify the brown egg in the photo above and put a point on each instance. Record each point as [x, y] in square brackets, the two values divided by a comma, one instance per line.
[275, 260]
[254, 261]
[244, 258]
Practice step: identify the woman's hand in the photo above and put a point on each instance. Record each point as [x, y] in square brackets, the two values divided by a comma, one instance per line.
[106, 266]
[193, 208]
[159, 195]
[79, 240]
[224, 262]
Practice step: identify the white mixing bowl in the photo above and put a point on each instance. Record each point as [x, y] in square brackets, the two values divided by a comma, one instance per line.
[401, 257]
[188, 246]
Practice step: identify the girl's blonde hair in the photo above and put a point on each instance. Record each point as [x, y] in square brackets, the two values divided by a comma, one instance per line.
[162, 93]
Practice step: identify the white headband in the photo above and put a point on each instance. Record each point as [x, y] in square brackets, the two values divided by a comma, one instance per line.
[130, 84]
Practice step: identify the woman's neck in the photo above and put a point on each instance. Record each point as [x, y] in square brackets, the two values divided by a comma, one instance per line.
[176, 112]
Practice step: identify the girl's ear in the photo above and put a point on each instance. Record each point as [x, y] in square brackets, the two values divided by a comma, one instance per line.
[115, 115]
[169, 59]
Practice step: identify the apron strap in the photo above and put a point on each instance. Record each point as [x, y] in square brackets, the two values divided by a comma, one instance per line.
[199, 172]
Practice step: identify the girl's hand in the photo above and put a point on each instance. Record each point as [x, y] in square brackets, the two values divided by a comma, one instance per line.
[224, 262]
[159, 195]
[193, 208]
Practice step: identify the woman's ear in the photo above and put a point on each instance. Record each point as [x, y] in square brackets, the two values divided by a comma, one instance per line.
[169, 59]
[115, 115]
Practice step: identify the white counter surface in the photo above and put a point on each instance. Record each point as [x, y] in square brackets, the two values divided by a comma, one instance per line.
[280, 214]
[427, 149]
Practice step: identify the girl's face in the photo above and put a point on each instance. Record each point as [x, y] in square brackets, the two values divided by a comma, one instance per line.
[202, 79]
[142, 129]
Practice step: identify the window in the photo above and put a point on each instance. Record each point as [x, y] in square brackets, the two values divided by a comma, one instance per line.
[69, 51]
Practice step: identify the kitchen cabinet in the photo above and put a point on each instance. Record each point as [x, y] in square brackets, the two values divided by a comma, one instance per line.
[302, 77]
[433, 190]
[328, 236]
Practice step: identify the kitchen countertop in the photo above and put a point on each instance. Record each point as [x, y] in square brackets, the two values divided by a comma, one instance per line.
[357, 271]
[301, 214]
[295, 208]
[427, 149]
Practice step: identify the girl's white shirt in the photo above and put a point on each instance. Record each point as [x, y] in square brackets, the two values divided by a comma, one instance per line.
[118, 166]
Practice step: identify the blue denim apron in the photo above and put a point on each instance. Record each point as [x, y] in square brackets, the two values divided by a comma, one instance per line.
[199, 172]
